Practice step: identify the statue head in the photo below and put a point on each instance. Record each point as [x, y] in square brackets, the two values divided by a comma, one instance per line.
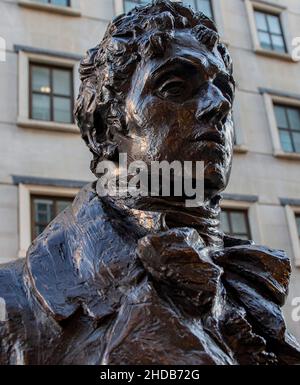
[159, 87]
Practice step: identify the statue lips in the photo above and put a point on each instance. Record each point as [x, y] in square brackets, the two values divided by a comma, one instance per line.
[210, 136]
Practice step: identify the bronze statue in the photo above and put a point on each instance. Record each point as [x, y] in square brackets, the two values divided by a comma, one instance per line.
[147, 280]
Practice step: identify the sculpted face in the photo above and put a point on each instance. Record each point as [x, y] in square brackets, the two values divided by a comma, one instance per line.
[179, 108]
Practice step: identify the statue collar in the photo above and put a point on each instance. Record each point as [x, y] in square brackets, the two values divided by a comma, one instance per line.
[159, 214]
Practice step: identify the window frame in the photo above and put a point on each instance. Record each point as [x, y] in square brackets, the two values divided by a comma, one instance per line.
[270, 99]
[120, 8]
[289, 130]
[240, 134]
[51, 67]
[291, 213]
[297, 215]
[24, 60]
[73, 9]
[254, 221]
[277, 10]
[25, 192]
[245, 213]
[217, 11]
[67, 5]
[211, 8]
[270, 34]
[54, 199]
[138, 2]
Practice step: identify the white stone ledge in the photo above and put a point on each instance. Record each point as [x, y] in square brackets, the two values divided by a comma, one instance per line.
[287, 155]
[67, 11]
[50, 126]
[275, 55]
[240, 149]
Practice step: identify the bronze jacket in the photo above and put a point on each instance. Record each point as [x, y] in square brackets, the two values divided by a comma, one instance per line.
[99, 287]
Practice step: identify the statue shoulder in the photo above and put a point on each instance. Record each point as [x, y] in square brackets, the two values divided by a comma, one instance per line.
[15, 313]
[12, 294]
[73, 251]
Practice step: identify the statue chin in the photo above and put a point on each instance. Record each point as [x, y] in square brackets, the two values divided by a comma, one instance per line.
[215, 180]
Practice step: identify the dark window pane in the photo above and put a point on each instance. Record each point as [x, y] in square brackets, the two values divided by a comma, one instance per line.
[281, 117]
[39, 229]
[62, 205]
[224, 222]
[205, 7]
[41, 79]
[238, 222]
[286, 141]
[265, 40]
[45, 210]
[274, 24]
[198, 5]
[62, 110]
[298, 223]
[191, 3]
[235, 223]
[296, 141]
[40, 107]
[62, 82]
[63, 3]
[294, 118]
[261, 21]
[130, 4]
[278, 43]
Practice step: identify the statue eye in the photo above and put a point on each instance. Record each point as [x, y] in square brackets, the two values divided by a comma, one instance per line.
[172, 88]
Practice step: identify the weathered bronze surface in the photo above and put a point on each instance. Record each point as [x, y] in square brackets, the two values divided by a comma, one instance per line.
[148, 280]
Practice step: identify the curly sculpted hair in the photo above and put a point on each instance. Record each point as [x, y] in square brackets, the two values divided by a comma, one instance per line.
[107, 69]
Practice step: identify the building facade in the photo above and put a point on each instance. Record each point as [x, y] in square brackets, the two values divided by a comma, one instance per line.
[44, 162]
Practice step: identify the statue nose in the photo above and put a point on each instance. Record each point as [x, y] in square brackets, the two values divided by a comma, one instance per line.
[214, 107]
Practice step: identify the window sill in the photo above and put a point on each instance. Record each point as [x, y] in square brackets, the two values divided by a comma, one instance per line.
[68, 11]
[22, 253]
[240, 149]
[51, 126]
[287, 155]
[274, 54]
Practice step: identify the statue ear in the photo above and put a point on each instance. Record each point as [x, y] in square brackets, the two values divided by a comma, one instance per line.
[85, 109]
[226, 57]
[86, 103]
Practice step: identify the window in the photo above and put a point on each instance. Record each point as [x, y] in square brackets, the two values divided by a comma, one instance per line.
[51, 93]
[130, 4]
[62, 3]
[201, 5]
[293, 220]
[298, 224]
[28, 213]
[44, 210]
[269, 31]
[61, 7]
[235, 223]
[198, 5]
[288, 123]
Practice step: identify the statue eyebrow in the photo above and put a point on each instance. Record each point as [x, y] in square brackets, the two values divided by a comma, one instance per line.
[171, 65]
